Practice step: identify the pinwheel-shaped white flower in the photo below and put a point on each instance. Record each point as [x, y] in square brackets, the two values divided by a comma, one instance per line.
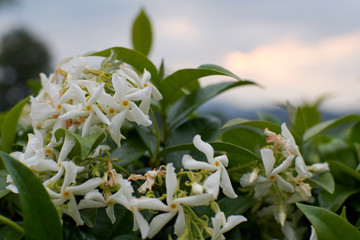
[68, 192]
[263, 185]
[174, 206]
[220, 177]
[123, 102]
[220, 227]
[87, 108]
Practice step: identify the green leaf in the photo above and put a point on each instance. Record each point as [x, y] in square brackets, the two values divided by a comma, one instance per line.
[236, 206]
[186, 105]
[328, 225]
[343, 213]
[41, 220]
[8, 126]
[127, 237]
[84, 146]
[9, 233]
[325, 180]
[130, 151]
[132, 57]
[148, 139]
[245, 138]
[3, 183]
[253, 123]
[344, 168]
[320, 127]
[334, 201]
[141, 33]
[89, 216]
[176, 81]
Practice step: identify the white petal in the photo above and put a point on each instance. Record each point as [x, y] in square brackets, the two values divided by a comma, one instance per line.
[159, 221]
[216, 226]
[86, 187]
[225, 184]
[100, 115]
[212, 184]
[268, 159]
[132, 75]
[71, 171]
[145, 105]
[171, 182]
[287, 134]
[139, 94]
[73, 114]
[97, 94]
[115, 125]
[150, 203]
[232, 221]
[284, 165]
[73, 211]
[88, 203]
[223, 159]
[111, 213]
[284, 185]
[87, 125]
[95, 195]
[189, 163]
[138, 116]
[313, 235]
[66, 148]
[301, 167]
[141, 223]
[195, 200]
[262, 189]
[179, 226]
[204, 147]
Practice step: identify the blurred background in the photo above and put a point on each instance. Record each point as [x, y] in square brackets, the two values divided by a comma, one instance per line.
[297, 51]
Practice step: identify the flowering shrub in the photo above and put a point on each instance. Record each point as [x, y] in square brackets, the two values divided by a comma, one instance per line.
[118, 151]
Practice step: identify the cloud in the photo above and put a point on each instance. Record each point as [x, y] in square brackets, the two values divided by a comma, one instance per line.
[294, 70]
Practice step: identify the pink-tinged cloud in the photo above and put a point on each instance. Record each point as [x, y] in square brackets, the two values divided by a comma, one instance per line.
[294, 70]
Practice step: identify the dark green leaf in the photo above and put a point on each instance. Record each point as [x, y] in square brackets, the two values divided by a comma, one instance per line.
[344, 168]
[325, 180]
[84, 146]
[328, 225]
[320, 127]
[176, 81]
[127, 237]
[35, 85]
[9, 233]
[3, 183]
[141, 33]
[343, 213]
[334, 201]
[236, 206]
[253, 123]
[41, 220]
[148, 139]
[186, 105]
[8, 126]
[130, 151]
[89, 216]
[132, 57]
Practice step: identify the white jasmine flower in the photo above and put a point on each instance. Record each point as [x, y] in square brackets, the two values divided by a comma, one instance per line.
[313, 235]
[11, 185]
[220, 177]
[272, 174]
[219, 227]
[68, 192]
[174, 206]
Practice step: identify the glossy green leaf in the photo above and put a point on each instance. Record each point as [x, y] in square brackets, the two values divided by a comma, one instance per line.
[328, 225]
[84, 145]
[343, 213]
[9, 125]
[186, 105]
[148, 139]
[344, 168]
[324, 180]
[9, 233]
[335, 200]
[141, 33]
[236, 206]
[132, 57]
[3, 183]
[253, 123]
[41, 220]
[176, 81]
[320, 127]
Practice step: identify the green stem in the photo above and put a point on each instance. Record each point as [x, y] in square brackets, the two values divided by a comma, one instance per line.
[121, 169]
[157, 134]
[11, 224]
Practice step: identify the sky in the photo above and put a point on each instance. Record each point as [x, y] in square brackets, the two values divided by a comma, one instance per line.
[295, 50]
